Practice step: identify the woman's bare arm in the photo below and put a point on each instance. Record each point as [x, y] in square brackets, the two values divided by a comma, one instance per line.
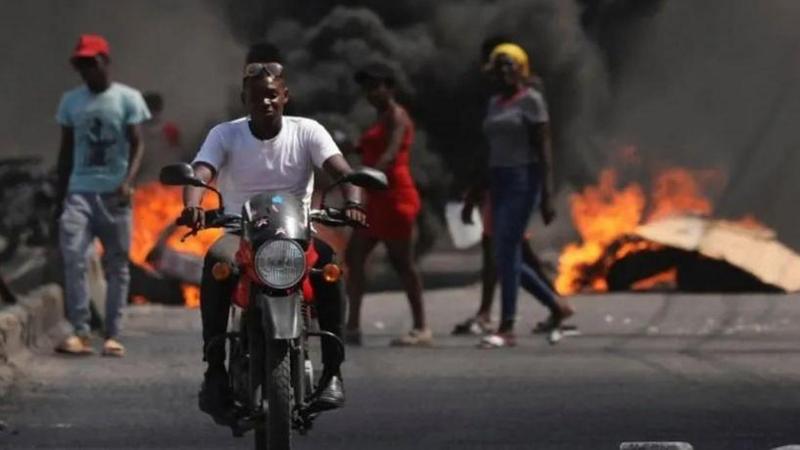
[540, 141]
[398, 122]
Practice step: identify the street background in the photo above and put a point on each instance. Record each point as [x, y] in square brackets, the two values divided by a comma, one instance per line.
[638, 91]
[718, 371]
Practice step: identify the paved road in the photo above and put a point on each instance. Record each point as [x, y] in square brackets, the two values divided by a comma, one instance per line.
[719, 372]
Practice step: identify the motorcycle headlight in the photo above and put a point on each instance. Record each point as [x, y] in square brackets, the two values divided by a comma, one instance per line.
[281, 263]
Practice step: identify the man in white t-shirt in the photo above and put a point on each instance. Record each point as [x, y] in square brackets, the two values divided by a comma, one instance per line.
[265, 151]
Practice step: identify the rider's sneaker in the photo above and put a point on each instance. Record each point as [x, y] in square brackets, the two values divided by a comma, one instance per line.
[329, 395]
[474, 326]
[215, 398]
[414, 338]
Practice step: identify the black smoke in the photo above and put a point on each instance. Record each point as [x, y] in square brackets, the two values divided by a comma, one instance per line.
[702, 84]
[714, 84]
[435, 48]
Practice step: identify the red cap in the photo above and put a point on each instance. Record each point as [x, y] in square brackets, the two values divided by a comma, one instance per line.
[91, 45]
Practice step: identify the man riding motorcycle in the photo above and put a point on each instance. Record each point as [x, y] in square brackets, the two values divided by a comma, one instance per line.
[265, 151]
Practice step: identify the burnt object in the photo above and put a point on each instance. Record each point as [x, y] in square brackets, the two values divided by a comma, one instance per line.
[695, 272]
[173, 264]
[623, 273]
[155, 287]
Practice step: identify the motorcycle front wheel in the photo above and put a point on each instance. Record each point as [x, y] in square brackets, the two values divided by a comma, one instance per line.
[277, 388]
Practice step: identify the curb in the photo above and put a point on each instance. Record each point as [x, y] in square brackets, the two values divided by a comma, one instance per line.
[32, 323]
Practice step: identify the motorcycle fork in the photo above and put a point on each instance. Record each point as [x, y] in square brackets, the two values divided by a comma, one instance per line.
[298, 361]
[302, 374]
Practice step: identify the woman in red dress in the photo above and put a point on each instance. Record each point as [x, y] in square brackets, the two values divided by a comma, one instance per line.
[386, 146]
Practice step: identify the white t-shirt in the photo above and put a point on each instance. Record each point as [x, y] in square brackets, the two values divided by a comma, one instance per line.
[247, 166]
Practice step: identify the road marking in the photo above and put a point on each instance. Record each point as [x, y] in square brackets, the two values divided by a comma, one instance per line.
[655, 446]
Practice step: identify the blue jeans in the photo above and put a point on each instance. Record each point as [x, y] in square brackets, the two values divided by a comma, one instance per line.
[107, 217]
[515, 195]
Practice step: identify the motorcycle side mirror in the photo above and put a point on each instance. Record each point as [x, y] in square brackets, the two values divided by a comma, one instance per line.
[180, 174]
[367, 178]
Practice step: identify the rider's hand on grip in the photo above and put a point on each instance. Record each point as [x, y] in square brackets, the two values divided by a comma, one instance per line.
[193, 217]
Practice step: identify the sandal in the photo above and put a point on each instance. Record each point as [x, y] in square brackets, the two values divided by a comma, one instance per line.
[414, 338]
[113, 347]
[498, 340]
[474, 326]
[76, 345]
[546, 326]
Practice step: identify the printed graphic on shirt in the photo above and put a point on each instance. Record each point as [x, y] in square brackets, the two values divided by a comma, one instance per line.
[101, 139]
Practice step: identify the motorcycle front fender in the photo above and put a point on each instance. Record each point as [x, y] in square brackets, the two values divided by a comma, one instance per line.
[280, 316]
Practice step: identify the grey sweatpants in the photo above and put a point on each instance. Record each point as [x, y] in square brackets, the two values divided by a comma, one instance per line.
[108, 218]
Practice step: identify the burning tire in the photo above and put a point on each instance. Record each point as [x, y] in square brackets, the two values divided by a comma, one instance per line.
[642, 265]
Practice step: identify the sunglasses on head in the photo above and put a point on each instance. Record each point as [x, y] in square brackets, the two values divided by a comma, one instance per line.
[271, 69]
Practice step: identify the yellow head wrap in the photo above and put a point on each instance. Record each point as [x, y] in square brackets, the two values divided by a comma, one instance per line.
[513, 51]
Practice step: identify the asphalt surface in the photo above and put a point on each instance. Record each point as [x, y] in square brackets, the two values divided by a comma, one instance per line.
[720, 372]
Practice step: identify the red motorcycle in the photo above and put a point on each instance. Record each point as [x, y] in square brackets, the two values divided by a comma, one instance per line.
[271, 374]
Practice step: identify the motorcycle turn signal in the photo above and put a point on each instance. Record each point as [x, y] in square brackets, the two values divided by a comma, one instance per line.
[331, 273]
[221, 271]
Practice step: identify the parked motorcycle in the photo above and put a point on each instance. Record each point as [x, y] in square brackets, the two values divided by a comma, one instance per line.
[271, 374]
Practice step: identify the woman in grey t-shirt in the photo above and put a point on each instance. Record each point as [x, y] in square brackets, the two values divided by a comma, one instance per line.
[520, 179]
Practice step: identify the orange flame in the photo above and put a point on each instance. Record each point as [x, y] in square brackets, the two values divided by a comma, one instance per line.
[191, 295]
[750, 221]
[678, 191]
[155, 207]
[603, 214]
[667, 277]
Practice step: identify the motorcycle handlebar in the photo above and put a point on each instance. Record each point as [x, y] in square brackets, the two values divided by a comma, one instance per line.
[333, 217]
[216, 218]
